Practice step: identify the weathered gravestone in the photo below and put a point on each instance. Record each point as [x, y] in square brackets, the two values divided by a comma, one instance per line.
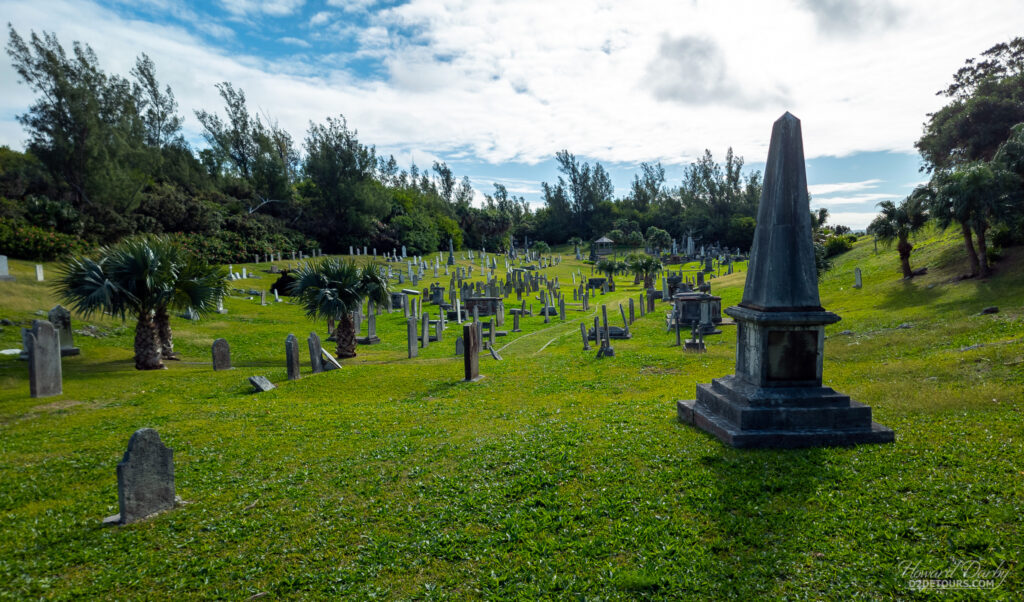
[329, 362]
[776, 398]
[857, 282]
[261, 384]
[44, 369]
[145, 479]
[586, 339]
[4, 273]
[291, 354]
[39, 272]
[61, 320]
[471, 355]
[410, 327]
[315, 353]
[221, 352]
[460, 347]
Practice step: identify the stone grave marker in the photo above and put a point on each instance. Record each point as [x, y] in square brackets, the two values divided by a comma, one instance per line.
[261, 384]
[291, 353]
[145, 479]
[39, 272]
[586, 339]
[44, 368]
[221, 352]
[328, 361]
[494, 353]
[315, 353]
[460, 346]
[776, 398]
[471, 354]
[515, 321]
[4, 273]
[61, 320]
[857, 282]
[425, 331]
[410, 327]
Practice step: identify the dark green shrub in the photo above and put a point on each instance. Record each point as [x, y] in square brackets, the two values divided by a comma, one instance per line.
[36, 244]
[837, 245]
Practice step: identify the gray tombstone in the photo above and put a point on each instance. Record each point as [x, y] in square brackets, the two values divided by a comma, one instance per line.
[494, 353]
[460, 346]
[515, 322]
[261, 384]
[439, 328]
[425, 331]
[4, 273]
[632, 311]
[315, 353]
[471, 355]
[857, 282]
[410, 327]
[44, 368]
[776, 398]
[145, 478]
[586, 339]
[221, 352]
[328, 362]
[291, 353]
[61, 320]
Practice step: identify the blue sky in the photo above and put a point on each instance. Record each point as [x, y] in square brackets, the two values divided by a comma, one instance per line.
[496, 88]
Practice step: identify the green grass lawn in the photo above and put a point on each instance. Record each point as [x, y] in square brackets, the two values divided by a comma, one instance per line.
[558, 475]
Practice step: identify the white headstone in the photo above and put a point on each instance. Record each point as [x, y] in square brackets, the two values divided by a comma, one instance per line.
[39, 272]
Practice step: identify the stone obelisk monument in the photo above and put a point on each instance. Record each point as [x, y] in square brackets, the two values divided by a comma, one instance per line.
[775, 399]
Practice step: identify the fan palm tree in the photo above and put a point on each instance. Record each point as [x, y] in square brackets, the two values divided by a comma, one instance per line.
[608, 267]
[141, 278]
[334, 289]
[898, 222]
[644, 266]
[196, 285]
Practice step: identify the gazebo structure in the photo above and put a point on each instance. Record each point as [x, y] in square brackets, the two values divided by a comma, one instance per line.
[603, 246]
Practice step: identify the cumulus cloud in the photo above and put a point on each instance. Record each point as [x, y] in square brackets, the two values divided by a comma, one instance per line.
[850, 17]
[692, 70]
[516, 82]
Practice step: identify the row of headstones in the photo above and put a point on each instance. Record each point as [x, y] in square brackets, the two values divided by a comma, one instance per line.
[5, 273]
[296, 256]
[319, 359]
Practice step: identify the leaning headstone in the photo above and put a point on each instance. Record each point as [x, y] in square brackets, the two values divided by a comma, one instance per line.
[494, 353]
[776, 398]
[586, 339]
[61, 320]
[857, 282]
[44, 369]
[328, 361]
[4, 273]
[145, 479]
[291, 353]
[471, 355]
[315, 353]
[261, 384]
[221, 352]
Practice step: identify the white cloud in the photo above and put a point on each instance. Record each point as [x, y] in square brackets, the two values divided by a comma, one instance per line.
[276, 8]
[518, 82]
[854, 220]
[320, 18]
[294, 42]
[824, 189]
[352, 6]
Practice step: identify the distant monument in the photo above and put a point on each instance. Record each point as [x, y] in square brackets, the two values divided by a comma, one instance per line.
[775, 399]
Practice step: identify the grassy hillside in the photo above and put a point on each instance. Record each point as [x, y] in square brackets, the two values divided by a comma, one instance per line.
[559, 475]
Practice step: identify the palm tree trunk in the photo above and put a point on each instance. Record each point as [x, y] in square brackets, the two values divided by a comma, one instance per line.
[636, 278]
[648, 281]
[345, 335]
[972, 256]
[163, 328]
[986, 270]
[147, 345]
[904, 248]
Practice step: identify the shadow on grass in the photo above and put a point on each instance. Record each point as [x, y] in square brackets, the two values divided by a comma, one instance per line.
[765, 500]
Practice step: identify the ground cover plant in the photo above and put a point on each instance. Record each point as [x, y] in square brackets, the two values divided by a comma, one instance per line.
[557, 476]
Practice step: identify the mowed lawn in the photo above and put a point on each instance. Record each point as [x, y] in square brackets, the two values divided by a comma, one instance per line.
[559, 475]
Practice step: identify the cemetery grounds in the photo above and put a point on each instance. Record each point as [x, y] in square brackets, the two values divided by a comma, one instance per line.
[558, 475]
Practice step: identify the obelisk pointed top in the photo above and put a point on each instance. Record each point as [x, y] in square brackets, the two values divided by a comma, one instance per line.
[782, 274]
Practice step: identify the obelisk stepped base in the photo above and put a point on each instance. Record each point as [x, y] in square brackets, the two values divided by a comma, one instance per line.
[743, 415]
